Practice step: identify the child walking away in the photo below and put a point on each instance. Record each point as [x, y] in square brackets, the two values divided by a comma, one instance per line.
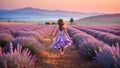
[62, 39]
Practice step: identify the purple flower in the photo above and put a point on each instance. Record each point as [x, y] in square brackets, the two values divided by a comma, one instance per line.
[17, 58]
[4, 39]
[26, 42]
[108, 57]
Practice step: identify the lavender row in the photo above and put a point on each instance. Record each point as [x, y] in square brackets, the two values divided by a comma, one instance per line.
[27, 42]
[115, 32]
[10, 28]
[20, 30]
[17, 58]
[5, 38]
[108, 57]
[112, 27]
[87, 45]
[29, 39]
[103, 36]
[100, 53]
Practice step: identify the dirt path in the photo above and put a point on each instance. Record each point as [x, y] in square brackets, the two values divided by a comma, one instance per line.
[71, 59]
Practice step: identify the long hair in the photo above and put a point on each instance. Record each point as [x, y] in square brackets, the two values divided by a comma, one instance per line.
[61, 24]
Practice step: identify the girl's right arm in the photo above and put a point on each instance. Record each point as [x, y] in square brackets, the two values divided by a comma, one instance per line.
[56, 31]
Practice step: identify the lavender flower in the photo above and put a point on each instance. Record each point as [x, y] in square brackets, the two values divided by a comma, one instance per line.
[28, 34]
[89, 49]
[87, 45]
[103, 36]
[18, 58]
[108, 57]
[4, 39]
[27, 42]
[117, 62]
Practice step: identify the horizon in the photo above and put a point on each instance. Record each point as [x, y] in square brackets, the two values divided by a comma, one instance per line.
[60, 10]
[52, 10]
[108, 6]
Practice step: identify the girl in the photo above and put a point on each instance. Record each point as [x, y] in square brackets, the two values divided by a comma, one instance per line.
[62, 39]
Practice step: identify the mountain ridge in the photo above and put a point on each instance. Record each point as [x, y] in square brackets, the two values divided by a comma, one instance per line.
[37, 9]
[29, 13]
[106, 18]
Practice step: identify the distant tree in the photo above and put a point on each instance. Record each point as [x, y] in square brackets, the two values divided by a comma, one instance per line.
[53, 23]
[47, 23]
[8, 20]
[71, 20]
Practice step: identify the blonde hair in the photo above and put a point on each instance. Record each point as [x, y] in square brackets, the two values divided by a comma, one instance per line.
[61, 24]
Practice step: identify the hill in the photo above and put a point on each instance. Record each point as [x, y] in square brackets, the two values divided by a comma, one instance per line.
[35, 14]
[106, 18]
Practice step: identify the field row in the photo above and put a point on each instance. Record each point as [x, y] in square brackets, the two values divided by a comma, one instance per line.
[93, 49]
[106, 37]
[23, 42]
[82, 39]
[114, 29]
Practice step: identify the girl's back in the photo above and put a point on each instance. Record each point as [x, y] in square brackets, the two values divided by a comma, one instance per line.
[62, 38]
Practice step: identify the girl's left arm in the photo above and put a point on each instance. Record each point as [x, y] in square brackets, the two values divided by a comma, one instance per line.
[65, 30]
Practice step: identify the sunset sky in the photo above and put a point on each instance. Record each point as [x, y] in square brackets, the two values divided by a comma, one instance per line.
[101, 6]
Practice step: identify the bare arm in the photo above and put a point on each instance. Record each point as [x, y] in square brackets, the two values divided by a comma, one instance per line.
[55, 33]
[65, 30]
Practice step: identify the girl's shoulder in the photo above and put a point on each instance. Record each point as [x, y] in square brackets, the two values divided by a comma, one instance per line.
[58, 28]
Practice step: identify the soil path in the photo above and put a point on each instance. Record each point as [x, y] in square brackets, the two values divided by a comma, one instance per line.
[71, 59]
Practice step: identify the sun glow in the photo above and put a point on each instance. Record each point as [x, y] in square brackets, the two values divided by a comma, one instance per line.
[106, 6]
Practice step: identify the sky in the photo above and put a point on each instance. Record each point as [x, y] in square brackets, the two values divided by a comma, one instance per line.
[101, 6]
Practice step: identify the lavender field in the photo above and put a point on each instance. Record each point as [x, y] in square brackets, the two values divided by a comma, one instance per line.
[28, 46]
